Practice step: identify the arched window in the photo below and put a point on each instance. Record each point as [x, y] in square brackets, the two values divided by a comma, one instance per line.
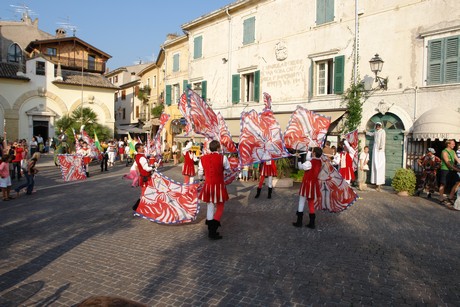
[14, 53]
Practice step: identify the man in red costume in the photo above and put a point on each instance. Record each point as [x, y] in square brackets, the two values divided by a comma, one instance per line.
[214, 192]
[145, 170]
[346, 162]
[268, 169]
[188, 169]
[310, 188]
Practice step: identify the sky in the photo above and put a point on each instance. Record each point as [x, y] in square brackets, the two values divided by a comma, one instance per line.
[128, 30]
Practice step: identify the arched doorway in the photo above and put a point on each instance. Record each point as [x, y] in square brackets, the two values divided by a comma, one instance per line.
[394, 145]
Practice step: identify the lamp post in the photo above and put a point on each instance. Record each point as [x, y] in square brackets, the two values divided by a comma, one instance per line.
[376, 64]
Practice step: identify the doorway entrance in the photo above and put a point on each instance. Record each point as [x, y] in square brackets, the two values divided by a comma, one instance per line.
[42, 128]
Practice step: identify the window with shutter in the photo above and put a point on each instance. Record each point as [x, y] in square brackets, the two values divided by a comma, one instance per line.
[324, 11]
[249, 28]
[339, 75]
[443, 61]
[198, 47]
[204, 85]
[257, 86]
[235, 89]
[176, 62]
[168, 95]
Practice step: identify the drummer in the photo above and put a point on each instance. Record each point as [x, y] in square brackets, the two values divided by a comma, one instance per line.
[85, 152]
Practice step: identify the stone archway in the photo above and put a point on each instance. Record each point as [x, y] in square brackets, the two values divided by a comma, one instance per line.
[394, 145]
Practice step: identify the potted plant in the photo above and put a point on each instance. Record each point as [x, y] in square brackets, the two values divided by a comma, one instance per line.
[404, 181]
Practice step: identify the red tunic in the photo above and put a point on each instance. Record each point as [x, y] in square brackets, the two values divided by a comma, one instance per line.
[142, 172]
[310, 187]
[269, 169]
[346, 168]
[189, 167]
[214, 189]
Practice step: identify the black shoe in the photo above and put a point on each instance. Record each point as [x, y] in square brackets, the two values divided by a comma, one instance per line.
[429, 195]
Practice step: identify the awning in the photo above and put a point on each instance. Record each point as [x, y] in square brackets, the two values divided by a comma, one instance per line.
[129, 128]
[437, 124]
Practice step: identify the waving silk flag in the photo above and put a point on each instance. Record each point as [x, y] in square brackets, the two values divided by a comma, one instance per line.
[204, 120]
[352, 138]
[168, 202]
[336, 193]
[306, 129]
[184, 108]
[267, 101]
[260, 138]
[71, 167]
[224, 136]
[95, 153]
[155, 148]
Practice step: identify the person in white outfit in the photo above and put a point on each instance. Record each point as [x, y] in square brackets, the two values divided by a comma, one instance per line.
[378, 156]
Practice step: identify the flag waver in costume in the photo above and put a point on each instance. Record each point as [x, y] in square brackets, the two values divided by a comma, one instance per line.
[352, 138]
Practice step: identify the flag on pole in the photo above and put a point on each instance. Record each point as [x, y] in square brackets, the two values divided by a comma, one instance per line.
[96, 142]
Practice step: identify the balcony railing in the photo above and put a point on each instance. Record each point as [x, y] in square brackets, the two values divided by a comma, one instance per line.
[76, 64]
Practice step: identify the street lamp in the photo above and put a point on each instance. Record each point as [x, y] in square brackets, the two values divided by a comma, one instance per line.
[376, 64]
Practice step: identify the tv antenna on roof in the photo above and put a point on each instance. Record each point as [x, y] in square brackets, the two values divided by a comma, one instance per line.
[67, 25]
[24, 10]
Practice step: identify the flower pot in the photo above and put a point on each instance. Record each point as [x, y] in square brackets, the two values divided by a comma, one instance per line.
[403, 193]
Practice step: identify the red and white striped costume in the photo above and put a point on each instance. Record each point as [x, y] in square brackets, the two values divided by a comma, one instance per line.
[189, 167]
[269, 169]
[212, 166]
[310, 187]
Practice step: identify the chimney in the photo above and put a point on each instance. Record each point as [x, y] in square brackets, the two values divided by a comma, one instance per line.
[59, 73]
[60, 33]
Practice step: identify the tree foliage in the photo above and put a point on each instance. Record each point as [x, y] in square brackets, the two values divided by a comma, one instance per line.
[158, 110]
[354, 98]
[82, 116]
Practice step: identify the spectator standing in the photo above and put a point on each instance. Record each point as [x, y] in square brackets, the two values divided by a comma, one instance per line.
[5, 179]
[430, 164]
[40, 142]
[121, 150]
[33, 146]
[448, 172]
[175, 153]
[29, 172]
[18, 151]
[112, 152]
[378, 156]
[363, 168]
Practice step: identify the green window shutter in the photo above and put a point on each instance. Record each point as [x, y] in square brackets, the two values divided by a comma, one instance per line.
[320, 12]
[235, 89]
[339, 74]
[310, 79]
[329, 16]
[168, 95]
[198, 47]
[184, 84]
[435, 57]
[249, 28]
[451, 71]
[257, 86]
[176, 62]
[204, 85]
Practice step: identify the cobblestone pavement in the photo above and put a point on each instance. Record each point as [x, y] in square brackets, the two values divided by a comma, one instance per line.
[69, 241]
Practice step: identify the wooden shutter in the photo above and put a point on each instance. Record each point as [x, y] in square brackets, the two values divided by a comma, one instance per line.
[235, 89]
[434, 61]
[339, 75]
[168, 95]
[329, 16]
[198, 47]
[320, 12]
[204, 85]
[176, 62]
[184, 85]
[249, 27]
[451, 71]
[257, 86]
